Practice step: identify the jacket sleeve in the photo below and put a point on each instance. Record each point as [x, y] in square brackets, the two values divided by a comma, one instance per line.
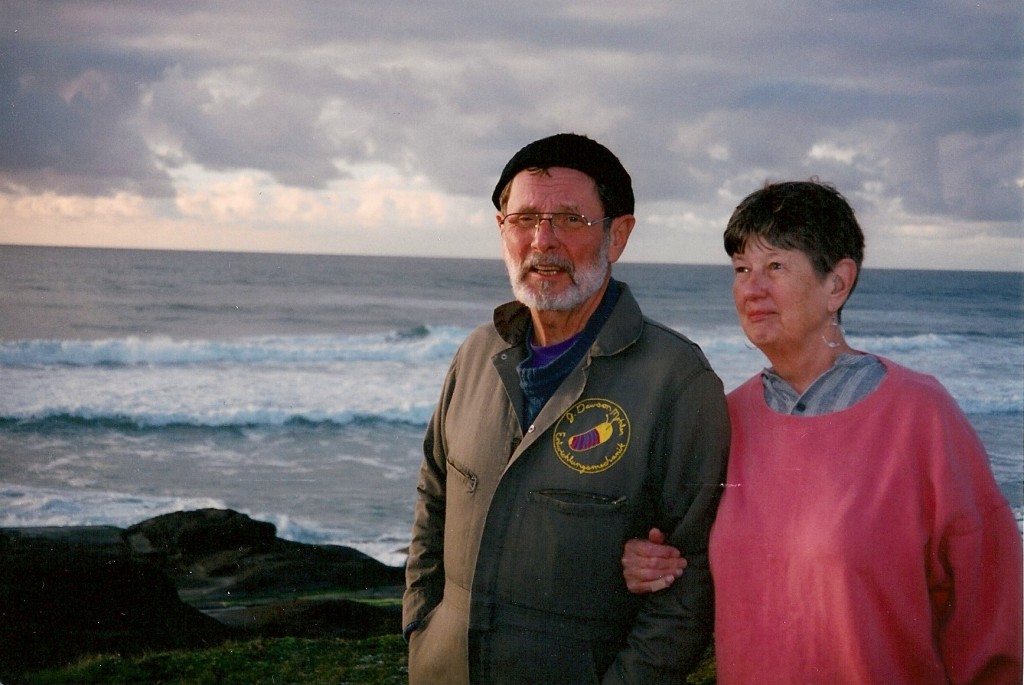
[674, 627]
[424, 572]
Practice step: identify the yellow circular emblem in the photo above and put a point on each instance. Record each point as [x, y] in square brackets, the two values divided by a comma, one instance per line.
[592, 435]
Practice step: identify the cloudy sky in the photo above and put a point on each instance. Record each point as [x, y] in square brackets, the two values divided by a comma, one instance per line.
[376, 127]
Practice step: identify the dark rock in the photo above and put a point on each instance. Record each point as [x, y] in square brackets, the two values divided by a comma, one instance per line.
[194, 533]
[215, 554]
[182, 580]
[60, 600]
[323, 618]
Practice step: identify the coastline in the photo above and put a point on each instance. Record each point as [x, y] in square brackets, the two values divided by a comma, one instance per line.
[185, 580]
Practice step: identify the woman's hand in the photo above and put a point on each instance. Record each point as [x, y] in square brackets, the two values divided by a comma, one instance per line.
[650, 565]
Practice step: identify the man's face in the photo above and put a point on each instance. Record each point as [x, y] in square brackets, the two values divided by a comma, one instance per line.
[552, 270]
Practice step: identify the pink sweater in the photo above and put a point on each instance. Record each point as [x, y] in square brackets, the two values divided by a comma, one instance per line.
[870, 545]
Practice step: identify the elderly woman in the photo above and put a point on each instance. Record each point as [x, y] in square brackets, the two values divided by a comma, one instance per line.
[861, 537]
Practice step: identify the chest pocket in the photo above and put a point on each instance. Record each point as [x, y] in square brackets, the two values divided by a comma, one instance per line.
[563, 553]
[578, 503]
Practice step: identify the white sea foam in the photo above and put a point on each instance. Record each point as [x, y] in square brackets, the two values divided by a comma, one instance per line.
[390, 378]
[417, 344]
[235, 394]
[31, 506]
[23, 507]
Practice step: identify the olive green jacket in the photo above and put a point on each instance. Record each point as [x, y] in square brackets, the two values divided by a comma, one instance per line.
[514, 571]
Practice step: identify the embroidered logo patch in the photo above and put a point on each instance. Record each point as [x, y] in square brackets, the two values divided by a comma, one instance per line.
[592, 435]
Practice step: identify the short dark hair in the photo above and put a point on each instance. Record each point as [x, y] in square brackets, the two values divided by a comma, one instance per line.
[809, 216]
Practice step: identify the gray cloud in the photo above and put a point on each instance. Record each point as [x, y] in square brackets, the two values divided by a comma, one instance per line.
[69, 122]
[921, 99]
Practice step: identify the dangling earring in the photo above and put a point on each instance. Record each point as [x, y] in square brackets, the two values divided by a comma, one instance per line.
[832, 343]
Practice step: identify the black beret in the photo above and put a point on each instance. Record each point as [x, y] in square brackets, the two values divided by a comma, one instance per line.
[574, 151]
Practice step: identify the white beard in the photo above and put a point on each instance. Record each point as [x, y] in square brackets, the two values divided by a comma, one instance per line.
[587, 279]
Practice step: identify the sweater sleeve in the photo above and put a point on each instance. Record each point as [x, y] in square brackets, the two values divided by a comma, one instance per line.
[976, 561]
[980, 631]
[674, 627]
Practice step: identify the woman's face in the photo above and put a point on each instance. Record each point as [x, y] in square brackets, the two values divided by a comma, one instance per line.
[784, 306]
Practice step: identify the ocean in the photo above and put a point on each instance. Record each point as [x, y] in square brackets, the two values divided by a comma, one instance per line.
[296, 388]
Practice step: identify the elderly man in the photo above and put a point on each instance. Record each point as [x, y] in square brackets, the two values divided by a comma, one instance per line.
[565, 427]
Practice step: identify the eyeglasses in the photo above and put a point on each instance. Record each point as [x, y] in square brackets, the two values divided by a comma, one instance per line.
[562, 223]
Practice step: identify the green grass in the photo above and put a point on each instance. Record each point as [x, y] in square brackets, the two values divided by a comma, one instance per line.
[279, 661]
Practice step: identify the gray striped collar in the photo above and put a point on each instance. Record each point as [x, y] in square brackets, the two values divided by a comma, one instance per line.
[852, 378]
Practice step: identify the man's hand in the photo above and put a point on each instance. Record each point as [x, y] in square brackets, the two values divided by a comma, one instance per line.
[650, 565]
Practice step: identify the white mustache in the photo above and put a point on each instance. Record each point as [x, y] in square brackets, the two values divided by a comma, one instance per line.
[556, 261]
